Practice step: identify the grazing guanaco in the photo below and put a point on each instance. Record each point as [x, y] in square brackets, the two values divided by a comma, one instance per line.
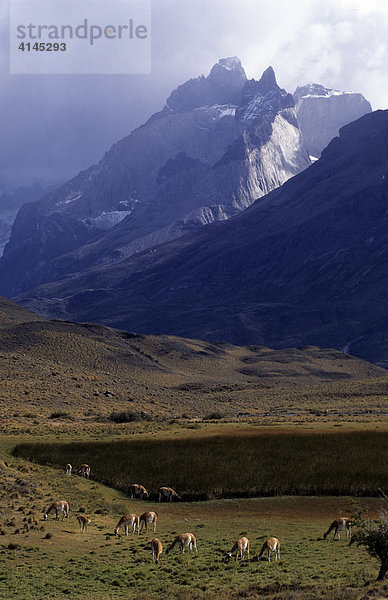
[148, 517]
[270, 545]
[84, 471]
[83, 523]
[68, 469]
[128, 521]
[59, 506]
[157, 549]
[168, 493]
[339, 525]
[138, 490]
[182, 540]
[239, 547]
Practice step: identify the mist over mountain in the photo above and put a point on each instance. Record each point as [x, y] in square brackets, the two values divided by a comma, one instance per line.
[306, 264]
[220, 142]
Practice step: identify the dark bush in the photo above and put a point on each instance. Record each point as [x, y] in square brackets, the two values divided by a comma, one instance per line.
[213, 416]
[14, 546]
[60, 415]
[125, 416]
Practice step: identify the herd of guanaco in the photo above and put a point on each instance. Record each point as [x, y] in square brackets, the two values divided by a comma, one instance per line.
[135, 490]
[135, 523]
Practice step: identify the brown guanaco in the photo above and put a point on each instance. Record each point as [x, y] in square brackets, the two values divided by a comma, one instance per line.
[270, 545]
[157, 549]
[183, 540]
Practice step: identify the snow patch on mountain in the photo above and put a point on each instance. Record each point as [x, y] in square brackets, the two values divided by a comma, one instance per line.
[315, 90]
[328, 95]
[254, 108]
[107, 220]
[70, 198]
[225, 110]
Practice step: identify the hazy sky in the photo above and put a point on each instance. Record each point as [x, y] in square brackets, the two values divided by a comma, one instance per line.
[53, 126]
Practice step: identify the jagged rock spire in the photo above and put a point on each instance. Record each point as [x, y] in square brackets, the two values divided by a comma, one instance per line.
[263, 97]
[267, 81]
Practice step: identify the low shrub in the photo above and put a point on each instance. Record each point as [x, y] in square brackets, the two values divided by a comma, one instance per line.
[14, 546]
[125, 416]
[60, 415]
[213, 416]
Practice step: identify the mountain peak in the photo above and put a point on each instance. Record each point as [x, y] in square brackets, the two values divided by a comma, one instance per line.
[231, 63]
[229, 68]
[267, 81]
[314, 90]
[223, 85]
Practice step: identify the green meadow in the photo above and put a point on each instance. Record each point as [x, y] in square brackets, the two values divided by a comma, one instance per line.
[98, 565]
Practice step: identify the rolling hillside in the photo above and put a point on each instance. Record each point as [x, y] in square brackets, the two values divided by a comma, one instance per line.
[65, 371]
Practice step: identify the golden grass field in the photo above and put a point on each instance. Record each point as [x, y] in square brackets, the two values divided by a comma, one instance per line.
[60, 373]
[61, 381]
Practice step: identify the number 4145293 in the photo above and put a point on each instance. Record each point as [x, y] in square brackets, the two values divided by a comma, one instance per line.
[43, 47]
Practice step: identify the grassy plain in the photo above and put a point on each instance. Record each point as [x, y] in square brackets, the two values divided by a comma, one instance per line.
[97, 565]
[53, 560]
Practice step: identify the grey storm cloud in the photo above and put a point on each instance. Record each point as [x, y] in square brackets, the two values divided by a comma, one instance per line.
[53, 125]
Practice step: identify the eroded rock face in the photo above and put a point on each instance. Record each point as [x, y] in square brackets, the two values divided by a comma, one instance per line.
[220, 143]
[10, 203]
[322, 112]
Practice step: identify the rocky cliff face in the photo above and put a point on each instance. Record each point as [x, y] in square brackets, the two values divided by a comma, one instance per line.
[219, 143]
[304, 265]
[322, 112]
[10, 203]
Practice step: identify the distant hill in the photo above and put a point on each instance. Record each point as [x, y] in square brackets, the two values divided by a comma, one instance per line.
[11, 313]
[68, 371]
